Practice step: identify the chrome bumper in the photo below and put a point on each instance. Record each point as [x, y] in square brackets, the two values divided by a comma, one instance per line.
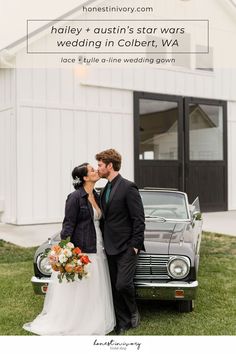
[40, 285]
[173, 290]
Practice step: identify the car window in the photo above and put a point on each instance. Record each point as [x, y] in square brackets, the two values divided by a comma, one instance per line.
[164, 204]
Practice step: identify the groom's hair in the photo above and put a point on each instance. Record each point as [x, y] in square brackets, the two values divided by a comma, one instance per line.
[110, 156]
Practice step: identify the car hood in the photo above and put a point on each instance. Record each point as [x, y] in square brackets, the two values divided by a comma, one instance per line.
[168, 237]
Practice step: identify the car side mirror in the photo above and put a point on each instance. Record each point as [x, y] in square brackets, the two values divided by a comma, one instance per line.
[197, 215]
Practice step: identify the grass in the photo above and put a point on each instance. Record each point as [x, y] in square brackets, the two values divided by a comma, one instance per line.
[214, 314]
[18, 304]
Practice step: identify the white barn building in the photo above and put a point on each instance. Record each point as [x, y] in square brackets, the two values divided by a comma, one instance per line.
[175, 124]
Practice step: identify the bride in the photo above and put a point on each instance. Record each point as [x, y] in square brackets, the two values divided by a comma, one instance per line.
[82, 307]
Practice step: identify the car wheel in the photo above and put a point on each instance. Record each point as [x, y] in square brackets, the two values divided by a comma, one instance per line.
[185, 305]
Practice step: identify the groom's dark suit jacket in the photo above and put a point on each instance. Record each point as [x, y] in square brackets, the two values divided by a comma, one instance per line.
[123, 217]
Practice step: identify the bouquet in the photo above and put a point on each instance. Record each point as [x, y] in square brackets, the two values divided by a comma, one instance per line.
[68, 260]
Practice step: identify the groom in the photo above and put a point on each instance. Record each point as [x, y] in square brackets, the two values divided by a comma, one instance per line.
[123, 232]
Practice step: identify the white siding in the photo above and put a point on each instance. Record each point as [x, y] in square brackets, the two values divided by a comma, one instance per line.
[8, 170]
[58, 131]
[214, 85]
[24, 162]
[39, 164]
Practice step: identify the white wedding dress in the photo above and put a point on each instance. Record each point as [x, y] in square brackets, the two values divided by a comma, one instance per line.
[82, 307]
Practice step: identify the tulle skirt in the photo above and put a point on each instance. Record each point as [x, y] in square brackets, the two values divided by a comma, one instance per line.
[83, 307]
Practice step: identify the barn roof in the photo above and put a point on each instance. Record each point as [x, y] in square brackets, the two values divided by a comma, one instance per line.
[65, 15]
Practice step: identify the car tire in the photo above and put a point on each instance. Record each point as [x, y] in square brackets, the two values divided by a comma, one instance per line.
[185, 305]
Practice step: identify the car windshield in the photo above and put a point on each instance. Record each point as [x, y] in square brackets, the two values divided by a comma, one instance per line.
[167, 205]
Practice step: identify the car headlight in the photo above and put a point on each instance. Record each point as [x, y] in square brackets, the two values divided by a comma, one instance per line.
[178, 267]
[43, 265]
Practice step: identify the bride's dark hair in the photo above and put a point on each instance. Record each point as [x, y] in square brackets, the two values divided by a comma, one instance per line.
[78, 174]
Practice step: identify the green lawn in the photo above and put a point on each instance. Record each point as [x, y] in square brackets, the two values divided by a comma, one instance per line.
[215, 307]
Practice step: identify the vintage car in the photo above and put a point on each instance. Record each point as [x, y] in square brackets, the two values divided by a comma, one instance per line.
[168, 269]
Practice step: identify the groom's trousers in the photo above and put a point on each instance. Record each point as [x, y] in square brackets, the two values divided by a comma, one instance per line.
[122, 270]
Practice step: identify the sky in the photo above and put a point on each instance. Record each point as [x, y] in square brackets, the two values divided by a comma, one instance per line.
[14, 13]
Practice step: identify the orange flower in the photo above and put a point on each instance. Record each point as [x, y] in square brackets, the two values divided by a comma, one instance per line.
[84, 259]
[78, 269]
[76, 250]
[56, 248]
[69, 268]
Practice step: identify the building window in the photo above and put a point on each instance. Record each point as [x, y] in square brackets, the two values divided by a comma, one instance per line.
[158, 130]
[205, 132]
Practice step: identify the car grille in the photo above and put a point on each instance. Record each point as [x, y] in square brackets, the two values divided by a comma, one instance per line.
[151, 267]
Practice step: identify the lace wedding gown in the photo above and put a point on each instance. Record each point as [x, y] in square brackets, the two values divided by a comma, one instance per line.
[83, 307]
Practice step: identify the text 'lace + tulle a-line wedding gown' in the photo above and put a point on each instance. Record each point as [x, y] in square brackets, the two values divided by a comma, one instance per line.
[82, 307]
